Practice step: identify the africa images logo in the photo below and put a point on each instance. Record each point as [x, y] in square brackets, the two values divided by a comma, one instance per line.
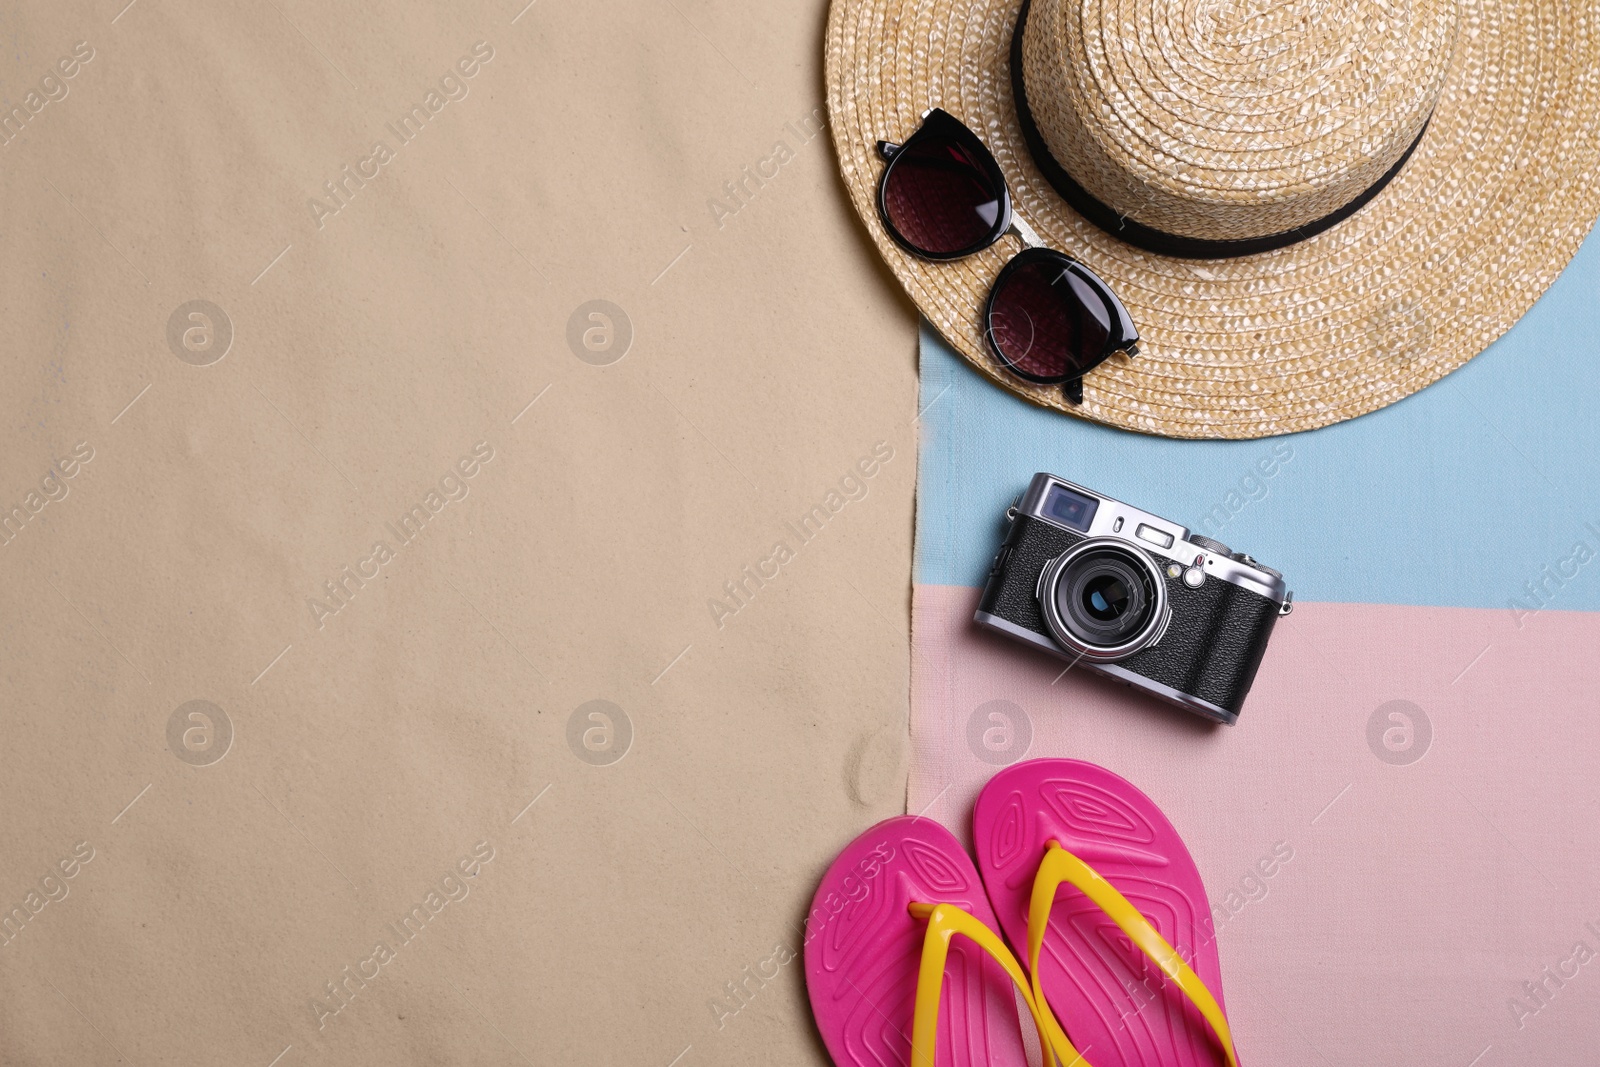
[741, 590]
[14, 918]
[451, 887]
[453, 486]
[52, 88]
[453, 85]
[53, 487]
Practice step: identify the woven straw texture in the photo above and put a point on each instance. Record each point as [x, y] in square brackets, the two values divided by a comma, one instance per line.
[1228, 121]
[1221, 119]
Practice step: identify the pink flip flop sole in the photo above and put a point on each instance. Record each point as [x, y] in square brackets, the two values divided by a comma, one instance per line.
[863, 948]
[1115, 1005]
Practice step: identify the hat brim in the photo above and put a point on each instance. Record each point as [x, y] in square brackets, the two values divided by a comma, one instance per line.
[1491, 206]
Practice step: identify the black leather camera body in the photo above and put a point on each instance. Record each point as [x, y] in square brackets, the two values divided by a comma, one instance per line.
[1133, 596]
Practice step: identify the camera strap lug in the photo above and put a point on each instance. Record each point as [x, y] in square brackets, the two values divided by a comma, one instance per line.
[1287, 605]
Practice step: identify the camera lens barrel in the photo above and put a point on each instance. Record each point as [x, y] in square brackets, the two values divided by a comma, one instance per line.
[1103, 599]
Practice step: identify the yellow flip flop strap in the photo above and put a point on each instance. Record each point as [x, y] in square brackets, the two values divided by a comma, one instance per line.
[1062, 866]
[944, 922]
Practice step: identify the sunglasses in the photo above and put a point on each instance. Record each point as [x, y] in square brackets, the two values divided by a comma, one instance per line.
[1049, 319]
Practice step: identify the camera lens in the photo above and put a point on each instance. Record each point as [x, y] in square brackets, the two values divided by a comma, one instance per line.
[1104, 599]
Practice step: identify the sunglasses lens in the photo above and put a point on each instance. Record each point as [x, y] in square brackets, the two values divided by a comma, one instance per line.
[1046, 322]
[939, 198]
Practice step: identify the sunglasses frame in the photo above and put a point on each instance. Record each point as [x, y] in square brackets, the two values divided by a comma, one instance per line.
[1122, 336]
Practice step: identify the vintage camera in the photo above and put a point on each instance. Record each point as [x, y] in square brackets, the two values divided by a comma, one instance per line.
[1133, 596]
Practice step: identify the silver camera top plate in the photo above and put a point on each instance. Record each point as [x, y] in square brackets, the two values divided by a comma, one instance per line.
[1094, 514]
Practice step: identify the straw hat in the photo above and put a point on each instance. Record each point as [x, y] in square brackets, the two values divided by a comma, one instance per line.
[1417, 171]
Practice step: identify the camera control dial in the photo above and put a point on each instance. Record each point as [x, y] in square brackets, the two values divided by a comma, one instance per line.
[1245, 557]
[1216, 548]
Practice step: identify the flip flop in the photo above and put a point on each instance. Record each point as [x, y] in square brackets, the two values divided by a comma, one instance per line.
[881, 946]
[1087, 872]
